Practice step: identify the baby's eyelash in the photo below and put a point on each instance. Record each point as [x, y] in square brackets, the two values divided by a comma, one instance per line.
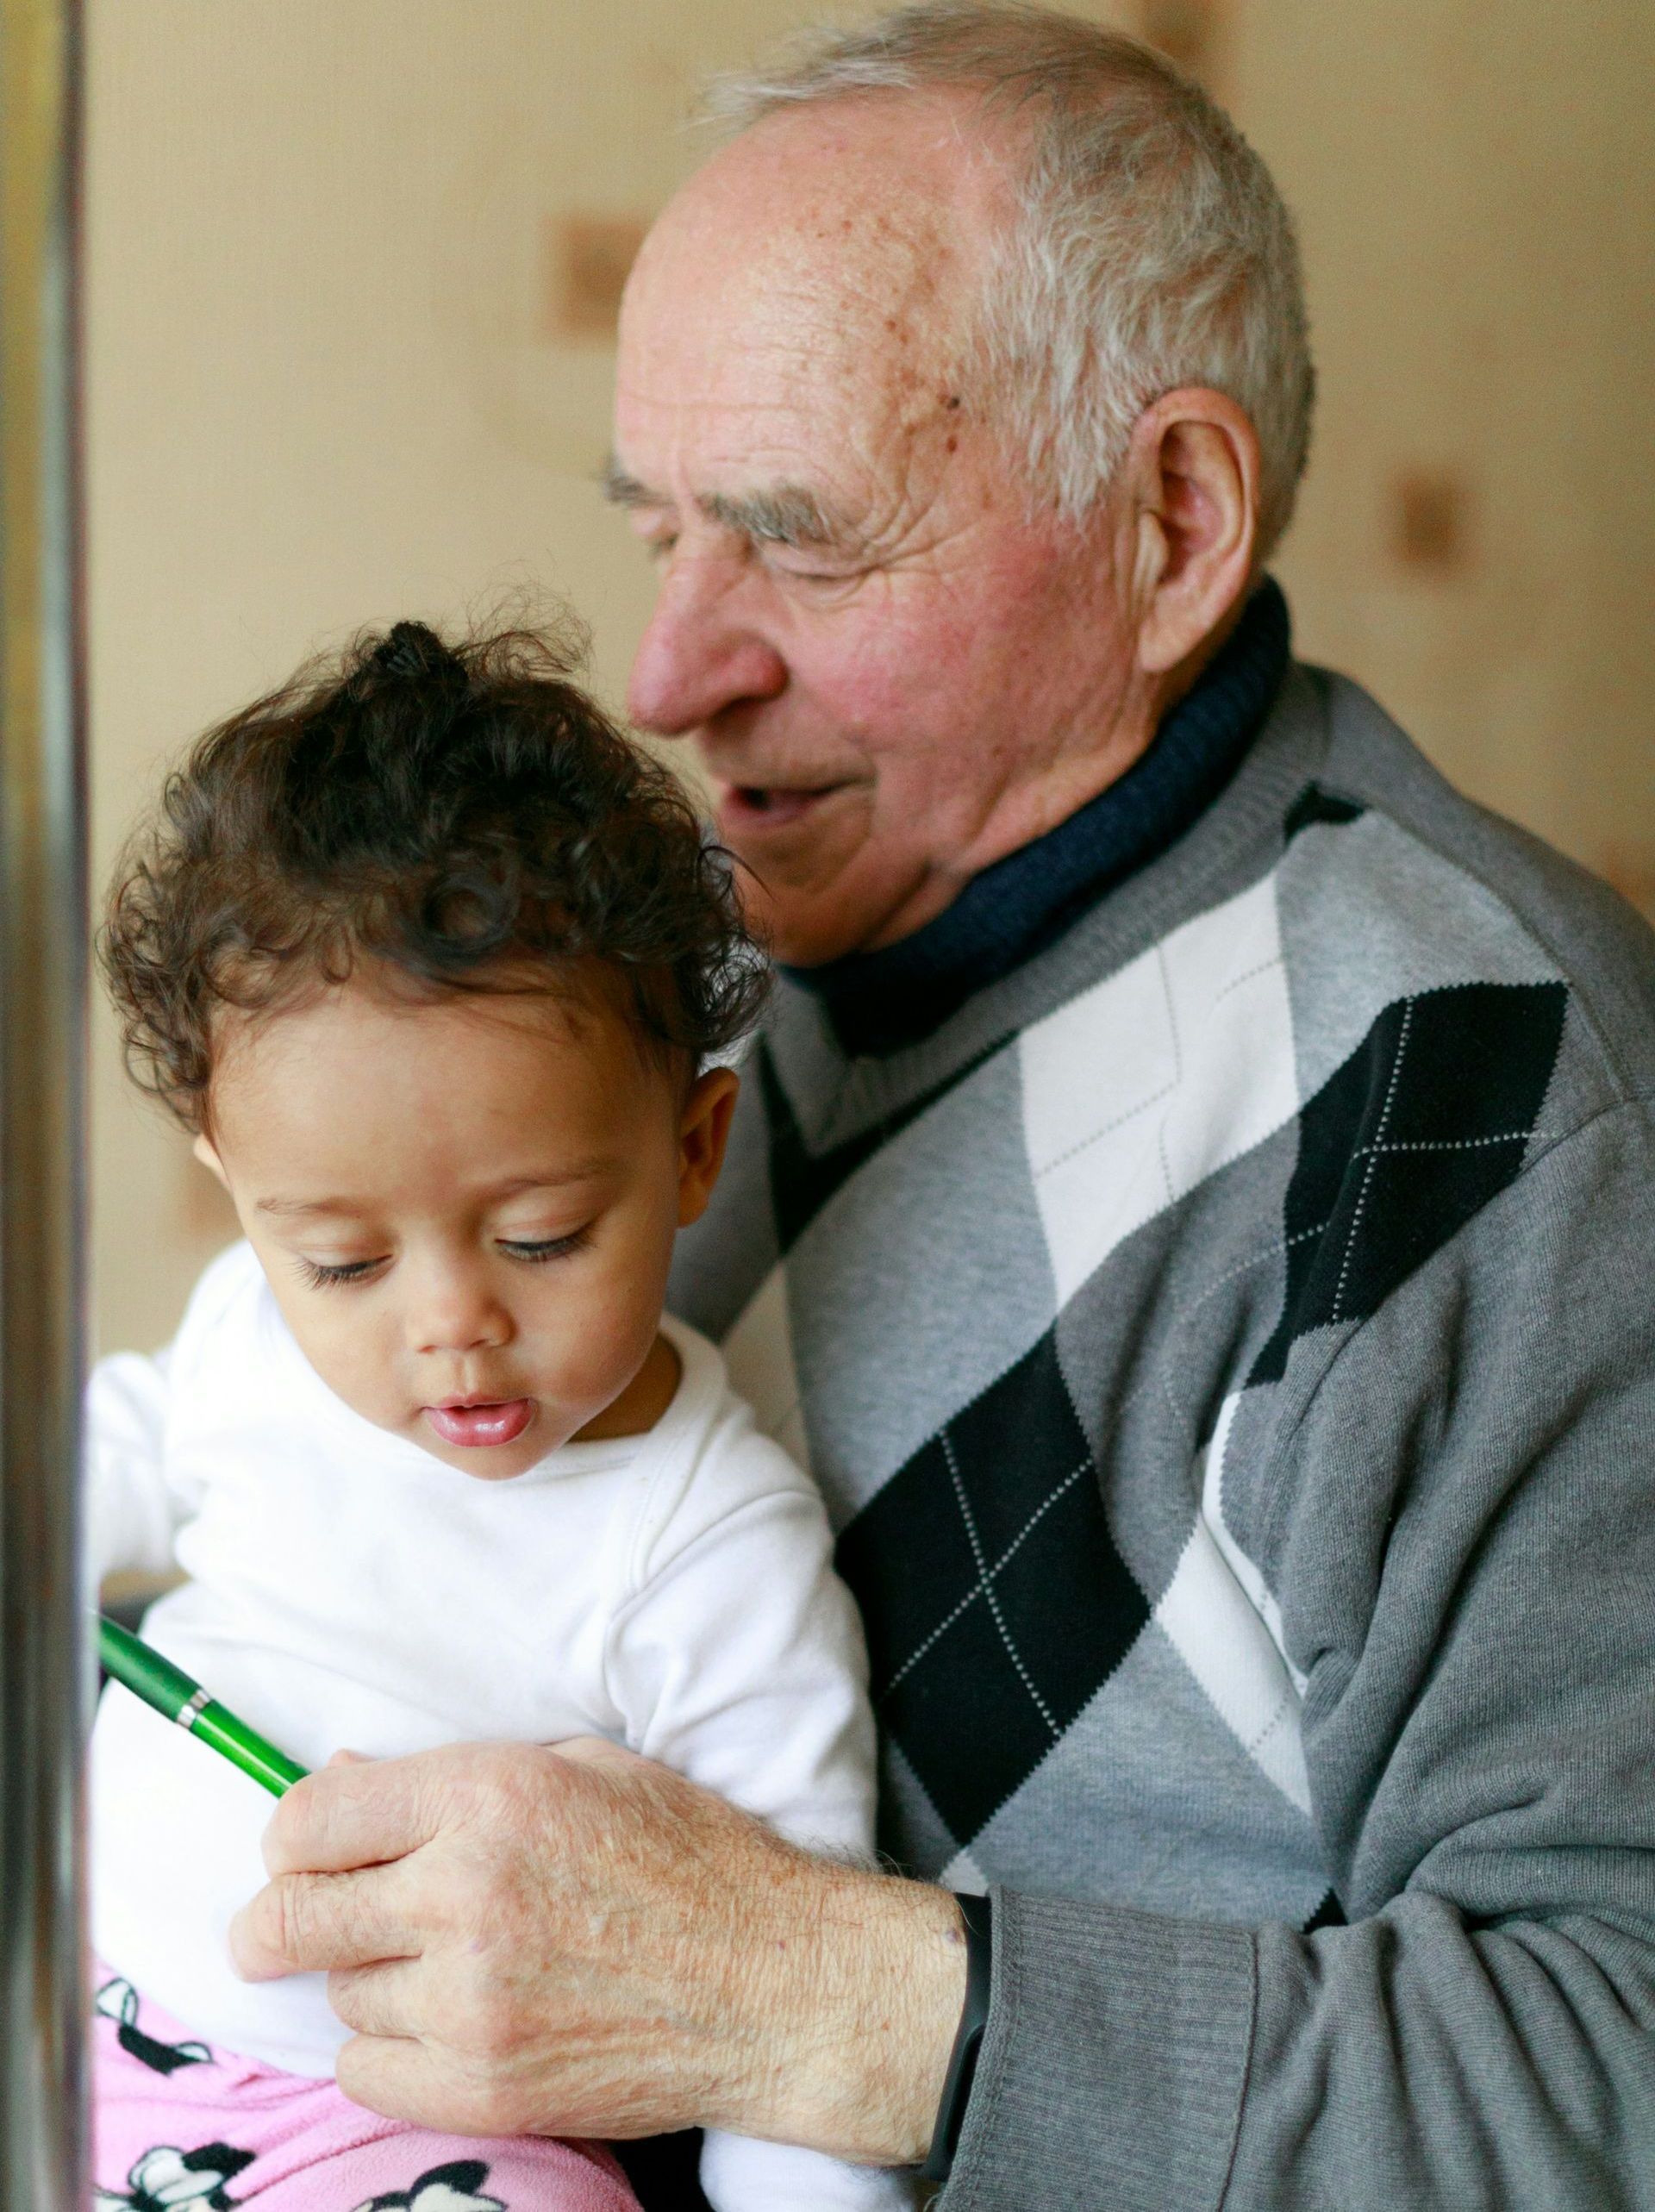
[551, 1247]
[321, 1276]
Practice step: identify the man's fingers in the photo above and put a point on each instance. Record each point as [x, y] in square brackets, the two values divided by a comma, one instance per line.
[398, 2076]
[359, 1813]
[314, 1924]
[381, 2000]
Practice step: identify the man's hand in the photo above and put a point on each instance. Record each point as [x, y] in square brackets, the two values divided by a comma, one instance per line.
[580, 1942]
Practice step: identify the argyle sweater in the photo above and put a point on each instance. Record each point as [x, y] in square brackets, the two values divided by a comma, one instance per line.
[1225, 1342]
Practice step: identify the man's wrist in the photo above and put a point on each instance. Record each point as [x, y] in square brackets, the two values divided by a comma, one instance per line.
[863, 2038]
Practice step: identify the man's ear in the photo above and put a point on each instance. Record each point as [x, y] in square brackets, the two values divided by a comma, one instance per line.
[1192, 469]
[207, 1152]
[704, 1131]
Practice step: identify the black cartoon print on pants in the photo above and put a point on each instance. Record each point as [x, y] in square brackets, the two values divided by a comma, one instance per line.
[118, 2000]
[165, 2180]
[445, 2189]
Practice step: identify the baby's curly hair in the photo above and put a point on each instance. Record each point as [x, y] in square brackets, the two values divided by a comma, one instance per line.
[454, 812]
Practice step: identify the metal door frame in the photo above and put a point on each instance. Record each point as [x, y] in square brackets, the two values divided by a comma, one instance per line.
[45, 1669]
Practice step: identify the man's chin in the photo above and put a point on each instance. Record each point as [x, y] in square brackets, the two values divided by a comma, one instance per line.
[809, 924]
[816, 882]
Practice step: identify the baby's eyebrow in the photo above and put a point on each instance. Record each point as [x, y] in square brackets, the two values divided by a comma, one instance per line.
[308, 1206]
[548, 1178]
[544, 1178]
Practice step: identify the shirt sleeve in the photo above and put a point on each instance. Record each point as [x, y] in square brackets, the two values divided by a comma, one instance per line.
[741, 1663]
[739, 2174]
[132, 1513]
[1465, 1562]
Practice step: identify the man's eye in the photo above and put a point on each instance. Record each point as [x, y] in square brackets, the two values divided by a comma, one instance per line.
[792, 571]
[319, 1274]
[658, 548]
[541, 1249]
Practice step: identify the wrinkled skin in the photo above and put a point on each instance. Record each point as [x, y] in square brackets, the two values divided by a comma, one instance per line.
[933, 672]
[495, 1990]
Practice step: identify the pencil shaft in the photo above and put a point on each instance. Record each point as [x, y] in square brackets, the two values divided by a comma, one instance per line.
[140, 1668]
[234, 1740]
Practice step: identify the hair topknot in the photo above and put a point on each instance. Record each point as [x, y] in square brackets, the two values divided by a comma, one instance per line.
[455, 812]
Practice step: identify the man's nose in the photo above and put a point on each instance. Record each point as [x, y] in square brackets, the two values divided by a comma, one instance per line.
[700, 653]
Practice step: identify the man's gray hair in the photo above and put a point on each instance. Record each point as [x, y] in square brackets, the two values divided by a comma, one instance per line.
[1150, 248]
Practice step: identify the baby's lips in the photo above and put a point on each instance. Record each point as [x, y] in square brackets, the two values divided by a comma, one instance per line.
[479, 1427]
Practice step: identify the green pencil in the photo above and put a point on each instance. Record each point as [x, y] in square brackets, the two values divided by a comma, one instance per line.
[142, 1670]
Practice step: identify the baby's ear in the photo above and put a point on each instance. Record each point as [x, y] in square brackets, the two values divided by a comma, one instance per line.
[206, 1153]
[704, 1131]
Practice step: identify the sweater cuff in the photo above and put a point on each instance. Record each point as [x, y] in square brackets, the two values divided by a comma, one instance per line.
[1114, 2065]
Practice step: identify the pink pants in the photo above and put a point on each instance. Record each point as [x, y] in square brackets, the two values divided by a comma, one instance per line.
[181, 2128]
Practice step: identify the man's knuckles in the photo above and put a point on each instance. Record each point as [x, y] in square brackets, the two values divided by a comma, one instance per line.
[306, 1923]
[430, 2083]
[489, 2030]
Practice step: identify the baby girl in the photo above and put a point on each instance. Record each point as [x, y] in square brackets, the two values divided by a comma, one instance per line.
[436, 970]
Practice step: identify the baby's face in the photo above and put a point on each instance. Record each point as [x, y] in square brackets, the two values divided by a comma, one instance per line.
[466, 1207]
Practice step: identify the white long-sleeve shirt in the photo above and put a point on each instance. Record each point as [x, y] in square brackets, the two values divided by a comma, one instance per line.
[671, 1591]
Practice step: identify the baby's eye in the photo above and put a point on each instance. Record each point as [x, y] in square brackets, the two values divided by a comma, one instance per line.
[320, 1273]
[538, 1249]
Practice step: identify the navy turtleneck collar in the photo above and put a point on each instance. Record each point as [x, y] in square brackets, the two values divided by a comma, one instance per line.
[879, 1001]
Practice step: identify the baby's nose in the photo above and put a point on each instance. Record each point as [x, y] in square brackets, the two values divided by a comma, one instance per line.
[458, 1313]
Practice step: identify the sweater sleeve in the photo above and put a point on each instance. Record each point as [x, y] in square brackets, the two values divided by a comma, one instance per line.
[1463, 1545]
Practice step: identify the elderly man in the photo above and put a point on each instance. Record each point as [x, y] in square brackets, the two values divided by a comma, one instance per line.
[1191, 1206]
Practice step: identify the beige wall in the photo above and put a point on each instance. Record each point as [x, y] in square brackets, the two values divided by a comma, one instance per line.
[322, 389]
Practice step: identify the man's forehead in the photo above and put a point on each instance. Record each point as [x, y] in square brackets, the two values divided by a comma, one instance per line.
[797, 314]
[860, 180]
[784, 446]
[814, 247]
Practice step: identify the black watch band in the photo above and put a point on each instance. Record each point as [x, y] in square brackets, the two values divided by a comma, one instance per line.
[978, 1917]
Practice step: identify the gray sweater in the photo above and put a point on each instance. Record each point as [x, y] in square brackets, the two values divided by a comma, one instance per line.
[1227, 1346]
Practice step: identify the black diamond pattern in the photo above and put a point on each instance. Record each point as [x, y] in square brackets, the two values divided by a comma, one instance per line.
[995, 1600]
[1426, 1121]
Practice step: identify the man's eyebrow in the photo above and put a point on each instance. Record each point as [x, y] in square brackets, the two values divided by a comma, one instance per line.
[622, 489]
[782, 515]
[779, 514]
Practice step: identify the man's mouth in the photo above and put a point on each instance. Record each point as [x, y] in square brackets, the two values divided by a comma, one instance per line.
[481, 1421]
[752, 809]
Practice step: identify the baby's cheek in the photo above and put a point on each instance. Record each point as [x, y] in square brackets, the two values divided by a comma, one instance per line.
[352, 1356]
[597, 1342]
